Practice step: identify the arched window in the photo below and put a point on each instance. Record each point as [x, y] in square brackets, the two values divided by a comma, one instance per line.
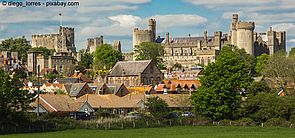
[202, 61]
[60, 68]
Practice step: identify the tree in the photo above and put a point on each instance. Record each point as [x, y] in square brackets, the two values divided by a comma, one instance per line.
[264, 106]
[292, 52]
[86, 59]
[280, 68]
[223, 81]
[259, 87]
[150, 51]
[50, 77]
[262, 60]
[157, 107]
[20, 45]
[20, 73]
[80, 68]
[13, 101]
[105, 57]
[249, 60]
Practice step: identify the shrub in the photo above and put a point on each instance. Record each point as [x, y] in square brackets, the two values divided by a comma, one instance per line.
[246, 122]
[277, 122]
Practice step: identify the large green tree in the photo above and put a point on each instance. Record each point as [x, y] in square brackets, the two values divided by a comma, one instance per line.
[280, 68]
[292, 52]
[157, 107]
[223, 81]
[86, 59]
[150, 51]
[13, 101]
[105, 57]
[264, 106]
[262, 60]
[20, 45]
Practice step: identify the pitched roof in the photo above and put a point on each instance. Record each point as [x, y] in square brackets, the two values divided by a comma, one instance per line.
[76, 88]
[139, 89]
[172, 84]
[132, 100]
[56, 103]
[129, 68]
[68, 80]
[115, 87]
[82, 77]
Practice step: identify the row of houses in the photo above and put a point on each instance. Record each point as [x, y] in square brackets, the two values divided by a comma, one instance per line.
[120, 89]
[110, 103]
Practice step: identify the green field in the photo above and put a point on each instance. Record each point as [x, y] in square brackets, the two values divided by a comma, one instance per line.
[169, 132]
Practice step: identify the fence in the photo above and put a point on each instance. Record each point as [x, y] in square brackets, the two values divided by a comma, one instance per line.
[107, 124]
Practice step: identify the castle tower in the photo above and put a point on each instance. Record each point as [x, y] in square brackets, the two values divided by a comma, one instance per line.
[234, 24]
[148, 35]
[67, 35]
[117, 45]
[167, 41]
[152, 27]
[245, 33]
[271, 41]
[217, 40]
[281, 37]
[205, 39]
[93, 43]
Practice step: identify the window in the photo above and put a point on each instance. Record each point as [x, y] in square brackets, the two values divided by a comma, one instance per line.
[202, 61]
[60, 68]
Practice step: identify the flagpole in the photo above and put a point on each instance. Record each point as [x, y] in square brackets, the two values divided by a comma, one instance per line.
[62, 31]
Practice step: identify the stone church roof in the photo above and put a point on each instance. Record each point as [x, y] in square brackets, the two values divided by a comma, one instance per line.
[129, 68]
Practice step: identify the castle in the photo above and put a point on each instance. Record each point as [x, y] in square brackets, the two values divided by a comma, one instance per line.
[191, 51]
[242, 35]
[93, 43]
[148, 35]
[63, 43]
[64, 57]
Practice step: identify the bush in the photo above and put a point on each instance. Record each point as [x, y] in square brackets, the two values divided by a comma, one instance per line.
[246, 122]
[277, 122]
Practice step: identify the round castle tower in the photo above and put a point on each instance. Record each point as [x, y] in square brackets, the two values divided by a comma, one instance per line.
[242, 34]
[245, 36]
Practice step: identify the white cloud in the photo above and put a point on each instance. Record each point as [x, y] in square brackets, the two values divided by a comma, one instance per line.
[291, 41]
[214, 3]
[283, 26]
[172, 20]
[99, 9]
[125, 20]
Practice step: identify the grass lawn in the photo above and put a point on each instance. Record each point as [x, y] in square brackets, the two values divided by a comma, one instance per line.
[169, 132]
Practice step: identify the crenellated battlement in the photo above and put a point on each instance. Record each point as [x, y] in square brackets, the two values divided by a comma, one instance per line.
[246, 25]
[44, 35]
[136, 30]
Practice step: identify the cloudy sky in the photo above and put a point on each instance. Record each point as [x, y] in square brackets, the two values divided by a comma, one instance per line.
[115, 19]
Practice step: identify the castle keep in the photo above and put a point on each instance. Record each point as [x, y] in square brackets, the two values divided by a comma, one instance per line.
[63, 43]
[148, 35]
[243, 36]
[64, 57]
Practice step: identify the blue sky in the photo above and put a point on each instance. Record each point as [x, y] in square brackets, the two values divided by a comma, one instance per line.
[115, 19]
